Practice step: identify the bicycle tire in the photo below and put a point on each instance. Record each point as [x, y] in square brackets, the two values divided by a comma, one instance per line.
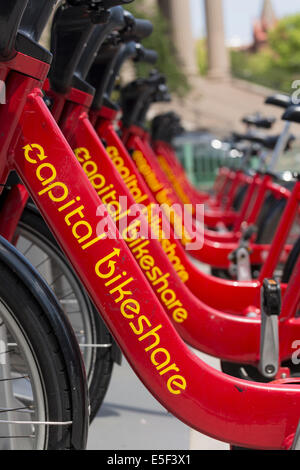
[22, 315]
[101, 365]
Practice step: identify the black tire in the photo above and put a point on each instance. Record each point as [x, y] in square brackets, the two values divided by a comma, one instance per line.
[28, 327]
[101, 364]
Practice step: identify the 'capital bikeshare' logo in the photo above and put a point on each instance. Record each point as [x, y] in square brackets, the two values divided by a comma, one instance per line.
[2, 92]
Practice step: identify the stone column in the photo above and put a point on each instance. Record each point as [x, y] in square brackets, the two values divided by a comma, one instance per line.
[178, 12]
[218, 57]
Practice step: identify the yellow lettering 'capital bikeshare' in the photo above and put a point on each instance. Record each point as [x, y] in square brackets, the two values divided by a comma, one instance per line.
[72, 214]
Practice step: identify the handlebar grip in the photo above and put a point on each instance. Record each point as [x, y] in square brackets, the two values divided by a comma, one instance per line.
[100, 3]
[114, 3]
[147, 55]
[142, 29]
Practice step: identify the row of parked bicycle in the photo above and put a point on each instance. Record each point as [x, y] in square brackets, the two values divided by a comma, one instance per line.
[95, 257]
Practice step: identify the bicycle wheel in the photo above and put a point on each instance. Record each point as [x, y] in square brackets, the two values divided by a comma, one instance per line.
[34, 240]
[34, 387]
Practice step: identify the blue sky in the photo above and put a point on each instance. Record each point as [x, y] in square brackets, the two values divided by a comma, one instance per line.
[239, 16]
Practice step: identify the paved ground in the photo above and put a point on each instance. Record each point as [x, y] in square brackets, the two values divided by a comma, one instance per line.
[131, 419]
[219, 106]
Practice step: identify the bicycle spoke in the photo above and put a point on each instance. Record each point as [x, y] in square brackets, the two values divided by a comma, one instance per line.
[15, 378]
[27, 250]
[42, 262]
[31, 436]
[21, 409]
[56, 279]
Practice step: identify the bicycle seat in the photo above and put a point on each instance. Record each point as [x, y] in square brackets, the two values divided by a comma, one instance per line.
[259, 121]
[292, 114]
[280, 100]
[268, 142]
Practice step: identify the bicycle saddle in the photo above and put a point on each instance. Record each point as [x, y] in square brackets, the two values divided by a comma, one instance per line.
[292, 114]
[268, 142]
[280, 100]
[259, 121]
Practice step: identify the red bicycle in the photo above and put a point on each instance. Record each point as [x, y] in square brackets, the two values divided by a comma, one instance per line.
[34, 146]
[43, 392]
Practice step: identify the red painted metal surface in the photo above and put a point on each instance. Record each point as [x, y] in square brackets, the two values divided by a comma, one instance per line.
[244, 413]
[214, 252]
[202, 327]
[263, 416]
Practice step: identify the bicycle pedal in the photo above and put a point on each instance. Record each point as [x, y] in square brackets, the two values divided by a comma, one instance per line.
[269, 334]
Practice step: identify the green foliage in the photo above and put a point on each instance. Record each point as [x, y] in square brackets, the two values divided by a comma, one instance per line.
[161, 42]
[201, 49]
[276, 66]
[285, 43]
[260, 68]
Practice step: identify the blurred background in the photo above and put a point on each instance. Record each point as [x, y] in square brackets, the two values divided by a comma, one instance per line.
[222, 58]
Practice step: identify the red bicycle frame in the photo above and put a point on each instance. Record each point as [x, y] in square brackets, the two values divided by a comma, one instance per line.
[243, 413]
[258, 187]
[215, 253]
[93, 156]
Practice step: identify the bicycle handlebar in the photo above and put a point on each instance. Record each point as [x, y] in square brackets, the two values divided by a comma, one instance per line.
[10, 18]
[138, 95]
[137, 28]
[105, 4]
[116, 22]
[103, 75]
[142, 29]
[146, 55]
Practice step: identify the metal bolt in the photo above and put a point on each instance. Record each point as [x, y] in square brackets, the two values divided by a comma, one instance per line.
[251, 315]
[269, 369]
